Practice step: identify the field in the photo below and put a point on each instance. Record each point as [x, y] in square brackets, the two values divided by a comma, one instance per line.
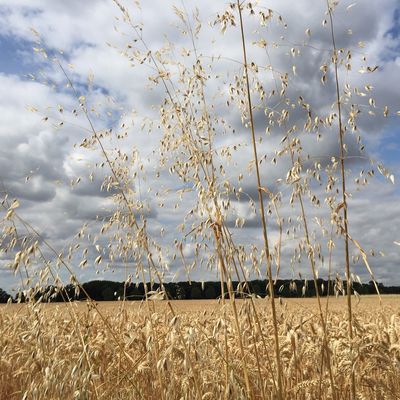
[191, 350]
[389, 304]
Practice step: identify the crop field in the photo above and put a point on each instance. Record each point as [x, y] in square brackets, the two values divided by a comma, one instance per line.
[387, 304]
[191, 350]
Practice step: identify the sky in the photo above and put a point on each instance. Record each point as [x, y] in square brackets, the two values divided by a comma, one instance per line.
[58, 182]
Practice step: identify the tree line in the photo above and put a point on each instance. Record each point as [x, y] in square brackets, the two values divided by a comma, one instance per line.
[103, 290]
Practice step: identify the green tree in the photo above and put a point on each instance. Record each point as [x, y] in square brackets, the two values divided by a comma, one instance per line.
[4, 296]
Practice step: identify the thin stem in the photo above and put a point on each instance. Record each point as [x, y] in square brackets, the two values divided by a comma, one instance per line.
[262, 211]
[344, 201]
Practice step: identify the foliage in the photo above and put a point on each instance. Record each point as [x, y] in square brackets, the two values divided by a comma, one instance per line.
[4, 296]
[112, 291]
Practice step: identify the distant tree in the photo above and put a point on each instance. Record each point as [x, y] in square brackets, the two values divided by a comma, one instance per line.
[70, 292]
[170, 289]
[109, 290]
[4, 296]
[195, 292]
[256, 288]
[210, 291]
[180, 291]
[108, 294]
[135, 291]
[102, 290]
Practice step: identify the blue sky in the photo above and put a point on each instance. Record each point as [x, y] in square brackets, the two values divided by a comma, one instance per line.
[94, 38]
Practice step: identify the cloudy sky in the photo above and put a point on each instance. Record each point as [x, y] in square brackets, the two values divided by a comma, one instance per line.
[57, 181]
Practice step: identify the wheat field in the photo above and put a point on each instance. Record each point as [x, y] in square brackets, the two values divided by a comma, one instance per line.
[190, 350]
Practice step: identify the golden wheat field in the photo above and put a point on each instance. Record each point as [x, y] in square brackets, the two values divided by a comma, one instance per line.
[191, 350]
